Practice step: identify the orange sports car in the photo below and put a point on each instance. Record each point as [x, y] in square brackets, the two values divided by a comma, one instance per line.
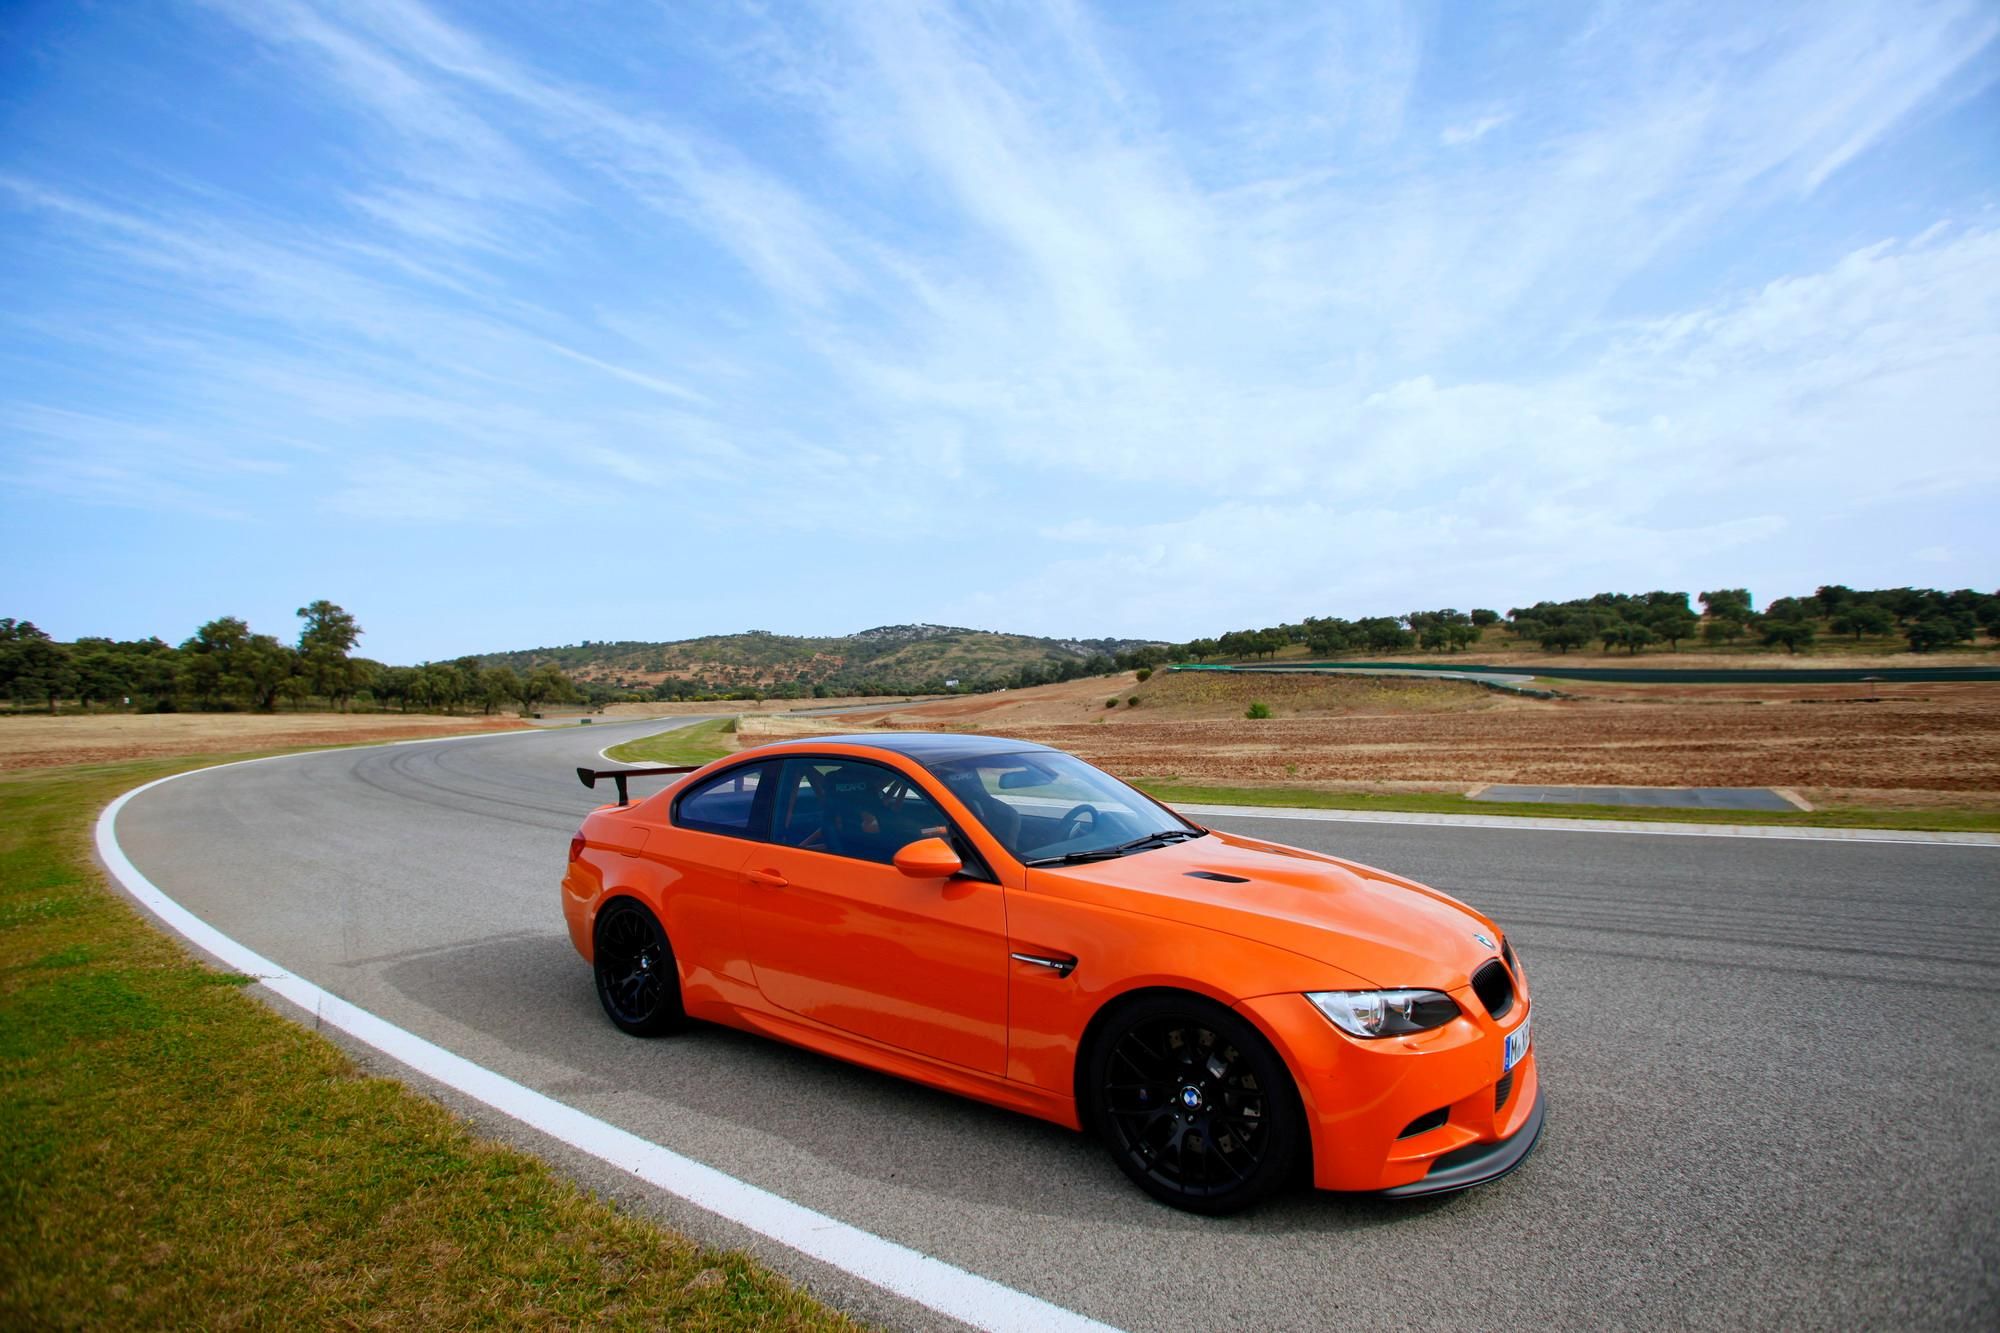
[1002, 920]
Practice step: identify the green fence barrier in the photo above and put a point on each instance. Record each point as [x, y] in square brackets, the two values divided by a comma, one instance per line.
[1642, 675]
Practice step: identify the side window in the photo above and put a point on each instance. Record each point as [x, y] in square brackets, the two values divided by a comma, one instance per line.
[852, 808]
[727, 803]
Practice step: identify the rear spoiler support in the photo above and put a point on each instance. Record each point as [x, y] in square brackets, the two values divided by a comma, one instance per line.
[589, 776]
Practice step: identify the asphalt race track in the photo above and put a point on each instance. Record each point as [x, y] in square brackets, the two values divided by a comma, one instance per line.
[1772, 1067]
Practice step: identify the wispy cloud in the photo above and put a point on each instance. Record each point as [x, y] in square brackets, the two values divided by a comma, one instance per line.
[1472, 131]
[1154, 298]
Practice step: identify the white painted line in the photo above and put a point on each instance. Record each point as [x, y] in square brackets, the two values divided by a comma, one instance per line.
[978, 1301]
[1656, 828]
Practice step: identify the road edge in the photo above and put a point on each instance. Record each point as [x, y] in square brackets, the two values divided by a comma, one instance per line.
[1538, 824]
[974, 1300]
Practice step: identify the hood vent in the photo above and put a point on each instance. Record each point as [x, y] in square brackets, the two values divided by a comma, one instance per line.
[1217, 876]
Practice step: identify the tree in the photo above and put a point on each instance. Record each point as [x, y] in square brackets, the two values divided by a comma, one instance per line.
[1563, 636]
[1728, 604]
[1903, 603]
[1483, 617]
[103, 674]
[393, 685]
[262, 667]
[1384, 634]
[1936, 633]
[210, 661]
[1863, 618]
[501, 685]
[1673, 626]
[1721, 631]
[1328, 635]
[1634, 637]
[1794, 634]
[326, 640]
[34, 668]
[550, 683]
[1791, 608]
[438, 685]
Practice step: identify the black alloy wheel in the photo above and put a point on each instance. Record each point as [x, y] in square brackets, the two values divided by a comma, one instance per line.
[637, 982]
[1194, 1104]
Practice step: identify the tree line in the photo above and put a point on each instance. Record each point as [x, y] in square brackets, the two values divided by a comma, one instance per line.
[225, 666]
[1925, 619]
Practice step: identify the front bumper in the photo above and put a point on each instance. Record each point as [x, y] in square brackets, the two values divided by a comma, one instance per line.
[1407, 1116]
[1476, 1163]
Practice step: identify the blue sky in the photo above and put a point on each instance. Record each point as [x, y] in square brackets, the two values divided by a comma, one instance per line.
[514, 324]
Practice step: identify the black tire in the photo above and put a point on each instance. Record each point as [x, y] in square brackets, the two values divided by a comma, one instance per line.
[637, 981]
[1193, 1103]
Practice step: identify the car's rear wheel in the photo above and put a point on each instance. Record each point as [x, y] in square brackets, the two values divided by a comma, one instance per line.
[637, 982]
[1195, 1106]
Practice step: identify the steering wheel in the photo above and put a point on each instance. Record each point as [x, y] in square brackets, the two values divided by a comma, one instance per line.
[1073, 825]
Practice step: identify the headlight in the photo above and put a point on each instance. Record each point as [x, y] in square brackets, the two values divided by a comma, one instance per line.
[1384, 1013]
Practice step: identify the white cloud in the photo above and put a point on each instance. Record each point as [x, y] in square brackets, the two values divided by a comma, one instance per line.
[1472, 131]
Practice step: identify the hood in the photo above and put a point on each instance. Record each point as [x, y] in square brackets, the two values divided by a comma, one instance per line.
[1385, 930]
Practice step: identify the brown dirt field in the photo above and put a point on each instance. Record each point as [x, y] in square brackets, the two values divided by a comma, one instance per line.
[43, 742]
[1908, 745]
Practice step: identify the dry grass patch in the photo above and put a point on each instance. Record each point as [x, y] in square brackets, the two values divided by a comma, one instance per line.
[38, 741]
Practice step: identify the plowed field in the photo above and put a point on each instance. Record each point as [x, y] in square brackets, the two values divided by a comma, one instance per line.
[1878, 744]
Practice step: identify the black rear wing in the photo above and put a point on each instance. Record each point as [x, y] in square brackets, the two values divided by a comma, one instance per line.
[589, 776]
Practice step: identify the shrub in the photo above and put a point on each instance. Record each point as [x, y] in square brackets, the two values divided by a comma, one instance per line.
[1145, 673]
[1132, 702]
[1257, 711]
[1110, 703]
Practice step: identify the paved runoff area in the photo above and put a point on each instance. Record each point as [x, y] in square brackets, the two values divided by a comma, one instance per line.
[1772, 1064]
[1683, 798]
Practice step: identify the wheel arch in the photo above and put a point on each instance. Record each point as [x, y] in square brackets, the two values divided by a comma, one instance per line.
[1108, 1010]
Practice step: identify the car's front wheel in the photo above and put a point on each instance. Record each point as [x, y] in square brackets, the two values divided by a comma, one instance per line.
[637, 981]
[1195, 1106]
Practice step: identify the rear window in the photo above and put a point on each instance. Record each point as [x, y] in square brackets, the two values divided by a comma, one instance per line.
[726, 803]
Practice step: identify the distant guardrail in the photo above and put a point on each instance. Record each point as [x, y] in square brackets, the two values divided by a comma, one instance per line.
[1636, 675]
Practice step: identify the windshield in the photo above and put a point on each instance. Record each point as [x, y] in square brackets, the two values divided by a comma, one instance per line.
[1048, 808]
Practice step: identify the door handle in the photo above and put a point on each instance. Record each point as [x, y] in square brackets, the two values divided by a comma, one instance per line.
[770, 879]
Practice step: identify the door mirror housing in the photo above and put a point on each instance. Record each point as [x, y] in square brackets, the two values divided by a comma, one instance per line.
[929, 858]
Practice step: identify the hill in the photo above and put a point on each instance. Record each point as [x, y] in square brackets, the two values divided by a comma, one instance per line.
[886, 659]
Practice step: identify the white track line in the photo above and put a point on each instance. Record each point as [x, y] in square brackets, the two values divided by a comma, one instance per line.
[978, 1301]
[1658, 828]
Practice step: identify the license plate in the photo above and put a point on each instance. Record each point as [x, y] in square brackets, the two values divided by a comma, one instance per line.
[1517, 1045]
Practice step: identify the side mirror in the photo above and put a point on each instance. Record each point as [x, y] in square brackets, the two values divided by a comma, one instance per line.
[929, 858]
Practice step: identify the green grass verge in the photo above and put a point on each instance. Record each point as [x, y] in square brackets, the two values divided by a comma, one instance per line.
[1436, 803]
[683, 745]
[174, 1153]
